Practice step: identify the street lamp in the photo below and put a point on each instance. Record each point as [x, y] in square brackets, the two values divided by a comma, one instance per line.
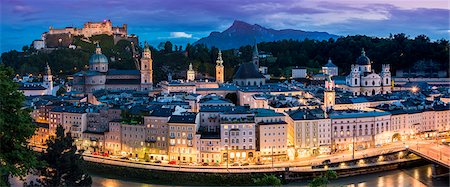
[228, 154]
[272, 156]
[353, 143]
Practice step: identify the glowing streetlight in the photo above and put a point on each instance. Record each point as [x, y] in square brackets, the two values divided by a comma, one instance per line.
[414, 89]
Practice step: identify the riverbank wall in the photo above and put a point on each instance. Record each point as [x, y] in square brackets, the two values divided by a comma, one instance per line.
[345, 169]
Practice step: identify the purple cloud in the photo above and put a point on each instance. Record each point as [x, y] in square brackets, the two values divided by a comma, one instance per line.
[23, 21]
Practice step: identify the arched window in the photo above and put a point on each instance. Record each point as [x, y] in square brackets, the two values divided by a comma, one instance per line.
[373, 83]
[387, 81]
[356, 81]
[373, 92]
[365, 83]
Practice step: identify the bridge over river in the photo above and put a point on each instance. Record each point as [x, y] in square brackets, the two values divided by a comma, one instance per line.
[436, 153]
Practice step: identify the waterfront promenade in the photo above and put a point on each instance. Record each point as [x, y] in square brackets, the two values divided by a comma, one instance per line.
[302, 164]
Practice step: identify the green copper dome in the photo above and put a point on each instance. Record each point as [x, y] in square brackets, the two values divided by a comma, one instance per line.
[363, 59]
[98, 57]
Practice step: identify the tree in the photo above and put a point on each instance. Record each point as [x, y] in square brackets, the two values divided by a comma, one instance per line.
[267, 180]
[168, 47]
[324, 179]
[62, 90]
[16, 157]
[64, 165]
[232, 97]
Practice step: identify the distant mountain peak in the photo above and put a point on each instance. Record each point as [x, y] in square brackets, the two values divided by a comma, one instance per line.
[241, 33]
[237, 23]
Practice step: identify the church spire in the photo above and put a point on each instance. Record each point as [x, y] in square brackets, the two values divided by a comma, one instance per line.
[255, 58]
[98, 50]
[190, 67]
[219, 68]
[47, 69]
[255, 49]
[219, 61]
[147, 53]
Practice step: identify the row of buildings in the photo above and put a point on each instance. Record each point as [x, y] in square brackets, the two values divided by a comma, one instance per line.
[122, 112]
[169, 127]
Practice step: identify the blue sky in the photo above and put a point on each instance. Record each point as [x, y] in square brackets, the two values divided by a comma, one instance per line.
[22, 21]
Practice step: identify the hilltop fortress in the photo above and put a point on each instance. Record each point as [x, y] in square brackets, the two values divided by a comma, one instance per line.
[92, 28]
[63, 37]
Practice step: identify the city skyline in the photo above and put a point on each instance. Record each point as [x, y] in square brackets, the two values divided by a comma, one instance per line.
[162, 21]
[298, 92]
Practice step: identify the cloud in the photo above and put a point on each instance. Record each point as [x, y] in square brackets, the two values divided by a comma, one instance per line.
[180, 35]
[154, 20]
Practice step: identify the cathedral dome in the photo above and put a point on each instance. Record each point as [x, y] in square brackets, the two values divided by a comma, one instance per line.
[98, 57]
[363, 59]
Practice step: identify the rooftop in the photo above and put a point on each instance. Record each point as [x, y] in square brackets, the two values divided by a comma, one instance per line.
[182, 119]
[248, 71]
[340, 114]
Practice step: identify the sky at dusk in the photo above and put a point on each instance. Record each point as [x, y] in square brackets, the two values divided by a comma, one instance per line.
[22, 21]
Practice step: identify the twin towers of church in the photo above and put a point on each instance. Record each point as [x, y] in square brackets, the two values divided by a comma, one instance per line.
[190, 75]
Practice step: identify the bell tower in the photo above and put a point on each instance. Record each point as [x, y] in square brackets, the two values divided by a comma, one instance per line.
[329, 96]
[146, 69]
[190, 73]
[48, 80]
[219, 69]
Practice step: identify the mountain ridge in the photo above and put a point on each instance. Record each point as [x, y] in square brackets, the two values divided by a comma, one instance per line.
[241, 33]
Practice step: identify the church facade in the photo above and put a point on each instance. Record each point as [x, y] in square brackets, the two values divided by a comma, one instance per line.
[363, 80]
[99, 77]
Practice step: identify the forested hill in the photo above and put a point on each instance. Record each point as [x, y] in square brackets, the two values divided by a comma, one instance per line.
[398, 50]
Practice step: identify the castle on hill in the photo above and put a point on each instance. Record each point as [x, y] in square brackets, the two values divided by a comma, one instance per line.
[63, 37]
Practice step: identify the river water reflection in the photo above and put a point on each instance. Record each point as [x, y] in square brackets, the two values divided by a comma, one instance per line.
[417, 176]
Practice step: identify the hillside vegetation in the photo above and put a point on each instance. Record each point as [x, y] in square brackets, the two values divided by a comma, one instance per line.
[398, 50]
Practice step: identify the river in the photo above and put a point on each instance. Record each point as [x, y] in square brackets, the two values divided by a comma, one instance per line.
[414, 177]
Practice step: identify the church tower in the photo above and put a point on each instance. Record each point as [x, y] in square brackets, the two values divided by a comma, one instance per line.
[48, 80]
[386, 78]
[329, 95]
[190, 73]
[146, 69]
[219, 69]
[255, 57]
